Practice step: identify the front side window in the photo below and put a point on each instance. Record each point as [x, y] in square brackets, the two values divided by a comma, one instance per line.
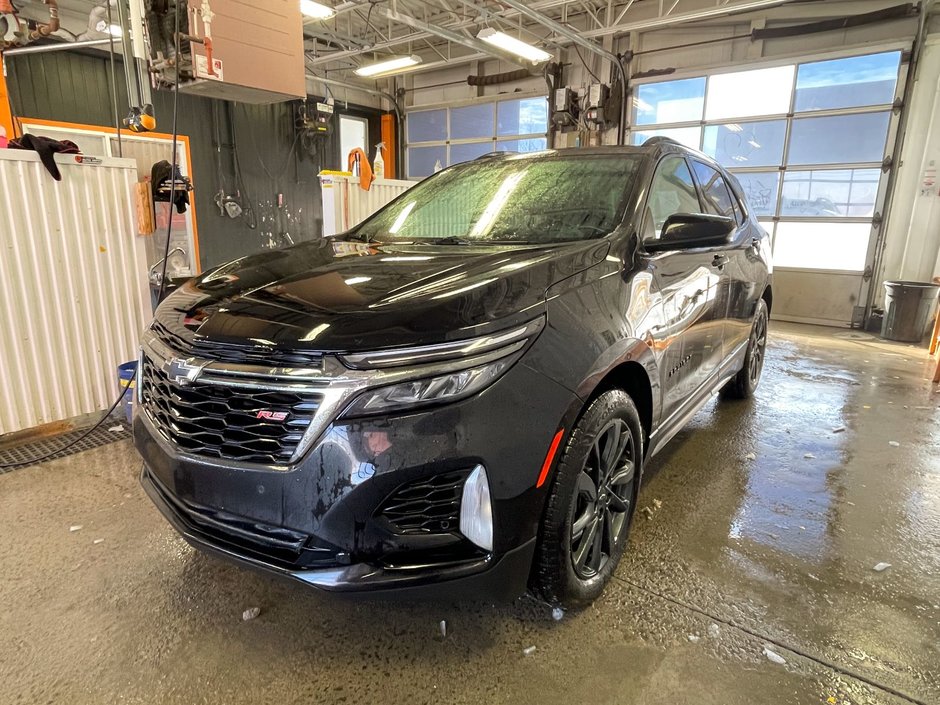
[516, 199]
[671, 192]
[718, 199]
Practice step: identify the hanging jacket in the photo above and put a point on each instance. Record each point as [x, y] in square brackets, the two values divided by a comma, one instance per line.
[162, 187]
[46, 147]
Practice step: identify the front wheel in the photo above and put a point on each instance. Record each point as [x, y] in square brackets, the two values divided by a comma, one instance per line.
[591, 503]
[744, 384]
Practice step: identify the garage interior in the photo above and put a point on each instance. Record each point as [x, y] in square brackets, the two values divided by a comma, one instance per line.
[785, 548]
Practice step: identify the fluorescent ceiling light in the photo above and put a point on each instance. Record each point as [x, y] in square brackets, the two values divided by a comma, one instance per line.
[391, 65]
[513, 45]
[309, 8]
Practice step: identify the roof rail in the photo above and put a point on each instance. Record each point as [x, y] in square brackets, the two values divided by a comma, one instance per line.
[497, 155]
[659, 139]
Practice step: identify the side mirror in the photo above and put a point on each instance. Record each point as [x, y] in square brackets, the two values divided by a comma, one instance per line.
[684, 231]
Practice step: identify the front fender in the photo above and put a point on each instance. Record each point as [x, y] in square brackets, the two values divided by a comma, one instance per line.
[598, 320]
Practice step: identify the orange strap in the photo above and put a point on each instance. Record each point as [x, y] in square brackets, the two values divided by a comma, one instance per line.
[365, 169]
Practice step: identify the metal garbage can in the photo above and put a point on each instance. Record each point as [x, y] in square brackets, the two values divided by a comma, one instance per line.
[908, 306]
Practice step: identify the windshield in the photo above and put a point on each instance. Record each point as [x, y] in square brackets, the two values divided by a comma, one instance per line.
[527, 200]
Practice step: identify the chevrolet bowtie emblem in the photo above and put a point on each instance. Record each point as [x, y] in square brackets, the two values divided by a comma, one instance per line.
[181, 372]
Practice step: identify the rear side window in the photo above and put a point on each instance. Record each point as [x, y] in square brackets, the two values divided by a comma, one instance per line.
[672, 191]
[718, 198]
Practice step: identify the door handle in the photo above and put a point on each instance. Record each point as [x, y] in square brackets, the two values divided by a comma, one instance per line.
[719, 261]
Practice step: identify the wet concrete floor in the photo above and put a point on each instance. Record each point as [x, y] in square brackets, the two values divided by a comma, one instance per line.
[768, 526]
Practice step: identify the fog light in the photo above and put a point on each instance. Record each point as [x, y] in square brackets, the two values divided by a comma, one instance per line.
[476, 511]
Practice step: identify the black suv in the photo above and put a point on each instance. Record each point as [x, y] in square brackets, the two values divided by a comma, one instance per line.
[459, 395]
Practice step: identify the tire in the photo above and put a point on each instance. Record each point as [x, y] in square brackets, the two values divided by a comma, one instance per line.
[745, 382]
[605, 448]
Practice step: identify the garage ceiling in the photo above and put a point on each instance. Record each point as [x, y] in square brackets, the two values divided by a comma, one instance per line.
[444, 32]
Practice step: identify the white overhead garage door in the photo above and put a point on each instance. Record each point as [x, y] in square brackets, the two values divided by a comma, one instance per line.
[807, 141]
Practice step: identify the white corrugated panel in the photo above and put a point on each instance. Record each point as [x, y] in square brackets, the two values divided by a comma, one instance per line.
[353, 204]
[74, 295]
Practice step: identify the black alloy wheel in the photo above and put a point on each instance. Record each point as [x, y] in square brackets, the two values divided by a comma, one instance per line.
[602, 500]
[590, 503]
[744, 383]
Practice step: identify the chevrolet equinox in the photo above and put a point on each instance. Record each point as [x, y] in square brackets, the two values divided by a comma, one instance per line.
[458, 395]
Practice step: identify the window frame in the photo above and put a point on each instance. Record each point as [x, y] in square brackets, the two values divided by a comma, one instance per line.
[494, 140]
[798, 60]
[646, 213]
[703, 197]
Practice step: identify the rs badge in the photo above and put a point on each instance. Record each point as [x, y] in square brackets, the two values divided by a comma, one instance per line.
[271, 415]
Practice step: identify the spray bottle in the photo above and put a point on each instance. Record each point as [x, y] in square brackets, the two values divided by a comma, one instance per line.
[378, 165]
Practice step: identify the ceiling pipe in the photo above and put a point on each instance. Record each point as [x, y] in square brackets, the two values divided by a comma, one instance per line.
[587, 44]
[399, 115]
[58, 46]
[451, 36]
[681, 18]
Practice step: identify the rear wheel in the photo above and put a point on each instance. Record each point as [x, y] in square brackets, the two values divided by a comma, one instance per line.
[591, 503]
[744, 384]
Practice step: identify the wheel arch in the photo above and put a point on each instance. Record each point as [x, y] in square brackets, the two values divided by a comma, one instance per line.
[768, 297]
[632, 378]
[631, 367]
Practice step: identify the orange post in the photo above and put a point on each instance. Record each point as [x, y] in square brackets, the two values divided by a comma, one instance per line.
[6, 114]
[388, 137]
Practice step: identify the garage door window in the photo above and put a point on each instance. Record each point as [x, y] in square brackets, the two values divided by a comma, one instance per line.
[848, 83]
[843, 193]
[463, 133]
[749, 93]
[746, 144]
[672, 101]
[814, 179]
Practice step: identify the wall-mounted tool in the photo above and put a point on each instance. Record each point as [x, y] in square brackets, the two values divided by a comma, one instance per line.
[565, 110]
[596, 113]
[315, 118]
[140, 119]
[314, 121]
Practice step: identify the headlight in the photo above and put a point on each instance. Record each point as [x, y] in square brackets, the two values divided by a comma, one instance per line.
[403, 378]
[443, 388]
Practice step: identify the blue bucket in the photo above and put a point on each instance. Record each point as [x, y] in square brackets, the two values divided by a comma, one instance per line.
[126, 374]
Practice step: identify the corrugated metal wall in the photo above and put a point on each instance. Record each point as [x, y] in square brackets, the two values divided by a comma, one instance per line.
[75, 87]
[353, 204]
[74, 295]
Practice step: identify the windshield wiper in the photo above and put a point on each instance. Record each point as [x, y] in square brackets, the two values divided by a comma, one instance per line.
[452, 241]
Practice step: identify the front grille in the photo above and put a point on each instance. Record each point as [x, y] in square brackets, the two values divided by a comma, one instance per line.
[180, 338]
[427, 506]
[221, 421]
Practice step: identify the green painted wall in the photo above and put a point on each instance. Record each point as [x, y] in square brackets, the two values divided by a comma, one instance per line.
[76, 87]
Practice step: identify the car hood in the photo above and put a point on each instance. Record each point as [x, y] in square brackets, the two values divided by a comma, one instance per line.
[337, 295]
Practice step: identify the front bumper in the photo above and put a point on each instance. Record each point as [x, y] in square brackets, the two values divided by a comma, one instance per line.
[496, 578]
[318, 521]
